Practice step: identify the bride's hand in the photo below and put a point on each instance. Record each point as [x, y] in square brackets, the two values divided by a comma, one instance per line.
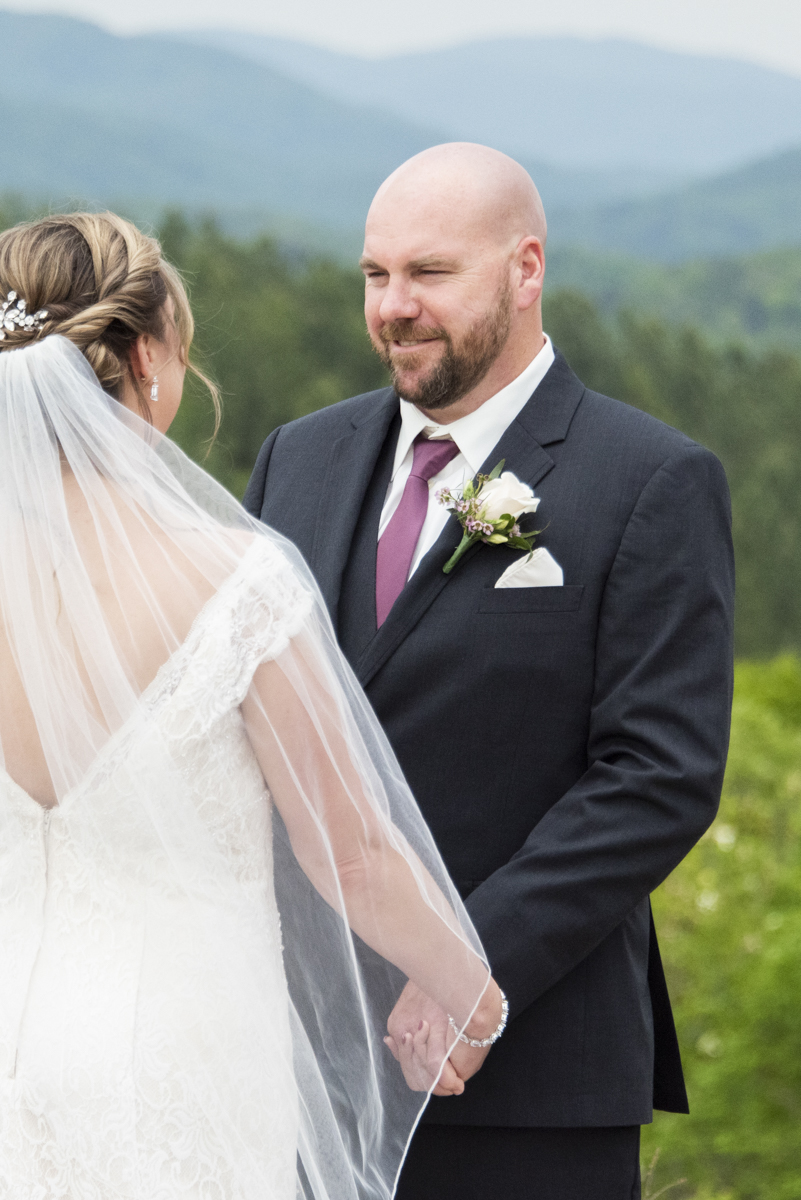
[428, 1035]
[420, 1061]
[419, 1037]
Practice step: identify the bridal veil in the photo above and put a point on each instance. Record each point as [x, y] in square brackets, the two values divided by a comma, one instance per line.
[122, 564]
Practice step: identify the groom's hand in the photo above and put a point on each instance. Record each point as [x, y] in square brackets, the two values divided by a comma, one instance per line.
[420, 1057]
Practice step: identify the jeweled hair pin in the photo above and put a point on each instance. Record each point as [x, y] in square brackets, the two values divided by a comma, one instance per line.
[14, 315]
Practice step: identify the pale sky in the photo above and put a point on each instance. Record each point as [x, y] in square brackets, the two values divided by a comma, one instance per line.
[762, 31]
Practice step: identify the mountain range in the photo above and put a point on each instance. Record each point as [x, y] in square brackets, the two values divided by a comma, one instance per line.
[100, 117]
[153, 121]
[276, 135]
[584, 104]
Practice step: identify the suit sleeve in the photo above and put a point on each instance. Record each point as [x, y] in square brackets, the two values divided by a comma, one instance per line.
[657, 744]
[253, 499]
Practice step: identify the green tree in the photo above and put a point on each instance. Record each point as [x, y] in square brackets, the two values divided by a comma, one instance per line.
[730, 926]
[283, 339]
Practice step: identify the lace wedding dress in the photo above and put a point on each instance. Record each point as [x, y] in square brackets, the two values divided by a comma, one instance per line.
[185, 1009]
[130, 1066]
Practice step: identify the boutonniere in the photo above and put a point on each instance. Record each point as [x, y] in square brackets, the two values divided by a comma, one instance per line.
[488, 510]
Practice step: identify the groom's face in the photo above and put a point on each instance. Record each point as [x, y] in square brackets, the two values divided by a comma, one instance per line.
[438, 305]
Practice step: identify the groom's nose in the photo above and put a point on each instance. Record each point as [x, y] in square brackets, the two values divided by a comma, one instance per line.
[398, 300]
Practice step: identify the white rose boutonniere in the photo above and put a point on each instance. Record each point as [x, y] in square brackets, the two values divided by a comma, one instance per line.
[489, 509]
[506, 496]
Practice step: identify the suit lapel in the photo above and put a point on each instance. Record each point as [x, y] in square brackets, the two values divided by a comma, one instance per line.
[544, 420]
[350, 469]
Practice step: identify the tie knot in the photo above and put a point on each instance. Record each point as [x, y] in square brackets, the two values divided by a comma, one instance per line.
[430, 457]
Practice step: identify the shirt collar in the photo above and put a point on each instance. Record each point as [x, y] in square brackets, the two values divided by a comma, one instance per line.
[479, 431]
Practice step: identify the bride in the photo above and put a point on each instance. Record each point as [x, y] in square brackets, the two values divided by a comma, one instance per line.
[214, 882]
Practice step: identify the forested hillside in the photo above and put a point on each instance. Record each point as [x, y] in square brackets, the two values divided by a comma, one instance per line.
[750, 298]
[757, 207]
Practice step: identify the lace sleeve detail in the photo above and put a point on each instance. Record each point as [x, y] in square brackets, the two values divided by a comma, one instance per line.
[251, 620]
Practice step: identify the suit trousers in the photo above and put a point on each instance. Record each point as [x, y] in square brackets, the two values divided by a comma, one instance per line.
[477, 1162]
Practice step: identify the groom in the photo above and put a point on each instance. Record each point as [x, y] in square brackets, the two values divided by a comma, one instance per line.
[563, 725]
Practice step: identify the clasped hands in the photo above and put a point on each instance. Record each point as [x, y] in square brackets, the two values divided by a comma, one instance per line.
[419, 1036]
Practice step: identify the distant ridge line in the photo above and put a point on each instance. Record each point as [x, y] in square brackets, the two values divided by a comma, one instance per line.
[151, 122]
[573, 102]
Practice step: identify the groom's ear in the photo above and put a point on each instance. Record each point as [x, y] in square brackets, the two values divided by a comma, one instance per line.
[531, 265]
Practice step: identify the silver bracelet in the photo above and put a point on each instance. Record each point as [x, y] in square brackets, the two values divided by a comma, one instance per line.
[482, 1043]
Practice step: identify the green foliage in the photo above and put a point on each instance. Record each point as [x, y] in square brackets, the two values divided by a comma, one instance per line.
[13, 209]
[282, 340]
[729, 921]
[752, 298]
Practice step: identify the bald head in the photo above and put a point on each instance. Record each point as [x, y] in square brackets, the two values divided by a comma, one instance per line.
[454, 267]
[470, 189]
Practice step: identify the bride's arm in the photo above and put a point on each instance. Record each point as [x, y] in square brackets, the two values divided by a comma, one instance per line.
[348, 848]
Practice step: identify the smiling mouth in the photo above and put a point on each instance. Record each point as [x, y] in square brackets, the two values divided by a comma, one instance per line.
[412, 345]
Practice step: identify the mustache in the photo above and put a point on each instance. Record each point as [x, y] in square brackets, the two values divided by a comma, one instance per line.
[407, 330]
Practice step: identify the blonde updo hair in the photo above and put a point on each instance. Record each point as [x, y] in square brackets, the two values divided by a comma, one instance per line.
[103, 283]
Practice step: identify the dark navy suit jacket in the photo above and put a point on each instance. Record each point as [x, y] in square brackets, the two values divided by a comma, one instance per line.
[566, 745]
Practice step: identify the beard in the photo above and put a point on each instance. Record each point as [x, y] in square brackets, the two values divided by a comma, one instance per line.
[461, 367]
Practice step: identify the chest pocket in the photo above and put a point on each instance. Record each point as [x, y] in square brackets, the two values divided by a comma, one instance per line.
[533, 599]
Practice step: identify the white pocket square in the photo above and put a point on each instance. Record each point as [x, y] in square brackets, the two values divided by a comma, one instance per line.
[540, 570]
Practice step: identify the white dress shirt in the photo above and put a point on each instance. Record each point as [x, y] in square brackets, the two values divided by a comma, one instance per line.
[475, 435]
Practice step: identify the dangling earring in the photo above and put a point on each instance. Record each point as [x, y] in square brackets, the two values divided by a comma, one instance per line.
[154, 390]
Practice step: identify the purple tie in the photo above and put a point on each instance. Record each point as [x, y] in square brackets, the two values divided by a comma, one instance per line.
[399, 539]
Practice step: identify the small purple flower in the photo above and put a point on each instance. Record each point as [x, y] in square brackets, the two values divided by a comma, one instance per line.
[515, 531]
[473, 526]
[488, 529]
[462, 506]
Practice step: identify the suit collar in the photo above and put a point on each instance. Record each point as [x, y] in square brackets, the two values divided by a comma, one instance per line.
[548, 414]
[381, 405]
